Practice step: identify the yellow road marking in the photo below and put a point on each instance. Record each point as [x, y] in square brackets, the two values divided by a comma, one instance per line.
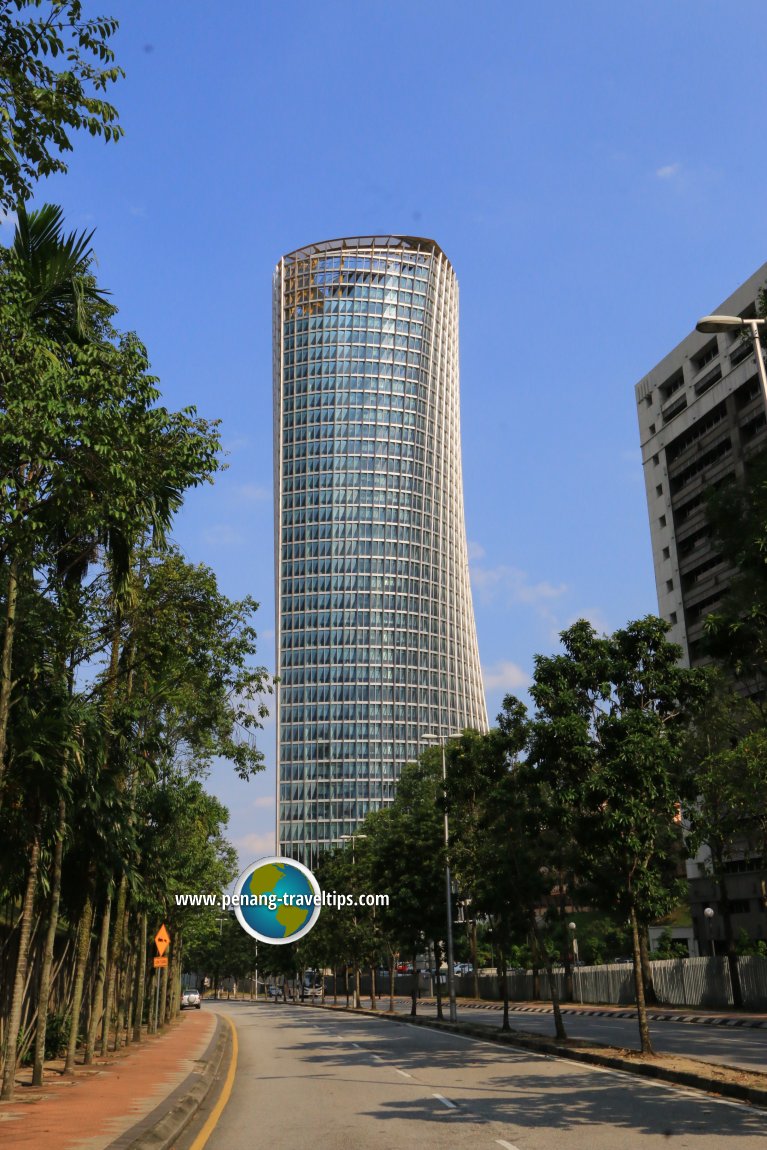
[215, 1113]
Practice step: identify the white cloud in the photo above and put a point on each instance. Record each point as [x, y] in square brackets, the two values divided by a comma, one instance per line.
[593, 615]
[668, 171]
[252, 493]
[223, 535]
[236, 443]
[513, 586]
[505, 676]
[263, 802]
[256, 845]
[476, 551]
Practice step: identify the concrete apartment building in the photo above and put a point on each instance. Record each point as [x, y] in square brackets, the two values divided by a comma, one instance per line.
[701, 414]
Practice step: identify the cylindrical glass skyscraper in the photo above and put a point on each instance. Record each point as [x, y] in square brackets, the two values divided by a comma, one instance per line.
[376, 642]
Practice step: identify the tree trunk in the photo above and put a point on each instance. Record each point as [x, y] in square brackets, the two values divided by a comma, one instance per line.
[81, 960]
[174, 982]
[140, 981]
[114, 956]
[124, 1019]
[373, 988]
[44, 988]
[6, 663]
[559, 1026]
[19, 982]
[650, 996]
[729, 937]
[151, 1025]
[644, 1029]
[414, 987]
[391, 985]
[97, 1002]
[123, 984]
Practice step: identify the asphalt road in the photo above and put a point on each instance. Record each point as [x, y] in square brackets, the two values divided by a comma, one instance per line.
[316, 1080]
[735, 1046]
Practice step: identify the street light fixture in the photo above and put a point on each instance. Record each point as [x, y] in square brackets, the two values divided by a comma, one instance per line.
[709, 914]
[453, 1012]
[710, 324]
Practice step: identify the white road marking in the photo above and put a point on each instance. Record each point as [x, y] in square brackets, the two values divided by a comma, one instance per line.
[647, 1083]
[402, 1072]
[445, 1101]
[506, 1145]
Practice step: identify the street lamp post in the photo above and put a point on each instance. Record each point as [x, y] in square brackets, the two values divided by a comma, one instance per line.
[357, 1000]
[571, 926]
[710, 324]
[448, 891]
[709, 915]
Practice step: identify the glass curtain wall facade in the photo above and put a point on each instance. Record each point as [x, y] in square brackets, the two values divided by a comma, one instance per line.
[376, 642]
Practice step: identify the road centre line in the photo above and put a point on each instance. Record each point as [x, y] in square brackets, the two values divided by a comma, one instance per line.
[445, 1101]
[506, 1145]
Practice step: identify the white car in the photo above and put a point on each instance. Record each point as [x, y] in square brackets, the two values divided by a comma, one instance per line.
[191, 998]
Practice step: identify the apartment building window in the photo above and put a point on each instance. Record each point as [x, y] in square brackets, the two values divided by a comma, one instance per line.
[672, 385]
[705, 355]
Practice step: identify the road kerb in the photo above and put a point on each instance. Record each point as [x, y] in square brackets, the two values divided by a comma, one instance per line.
[161, 1129]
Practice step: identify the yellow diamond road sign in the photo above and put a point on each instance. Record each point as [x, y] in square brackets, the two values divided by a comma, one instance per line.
[162, 940]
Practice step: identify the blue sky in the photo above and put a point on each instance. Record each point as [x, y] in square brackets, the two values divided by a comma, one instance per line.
[593, 171]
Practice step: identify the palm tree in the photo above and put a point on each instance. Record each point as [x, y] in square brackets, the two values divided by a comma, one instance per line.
[59, 304]
[61, 295]
[59, 300]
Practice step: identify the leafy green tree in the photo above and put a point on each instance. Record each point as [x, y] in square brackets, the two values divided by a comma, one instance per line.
[54, 68]
[667, 947]
[608, 735]
[727, 753]
[407, 860]
[736, 633]
[501, 850]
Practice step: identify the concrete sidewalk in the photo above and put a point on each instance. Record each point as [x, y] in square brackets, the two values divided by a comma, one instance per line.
[117, 1102]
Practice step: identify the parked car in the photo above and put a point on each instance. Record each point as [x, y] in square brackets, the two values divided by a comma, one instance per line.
[274, 991]
[463, 968]
[191, 998]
